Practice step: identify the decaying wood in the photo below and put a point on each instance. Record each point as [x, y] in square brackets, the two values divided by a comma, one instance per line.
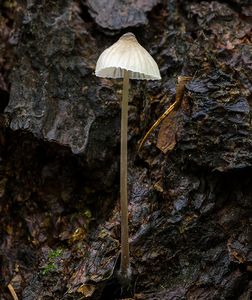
[189, 210]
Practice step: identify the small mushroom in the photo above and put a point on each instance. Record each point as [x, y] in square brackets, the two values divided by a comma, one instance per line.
[126, 59]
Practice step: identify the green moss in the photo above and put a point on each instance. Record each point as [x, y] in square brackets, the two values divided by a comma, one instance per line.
[48, 268]
[51, 265]
[55, 253]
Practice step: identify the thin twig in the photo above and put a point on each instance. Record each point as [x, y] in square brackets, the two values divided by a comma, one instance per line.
[12, 291]
[155, 125]
[180, 89]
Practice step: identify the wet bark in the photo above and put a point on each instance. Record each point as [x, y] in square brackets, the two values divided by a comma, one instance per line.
[189, 206]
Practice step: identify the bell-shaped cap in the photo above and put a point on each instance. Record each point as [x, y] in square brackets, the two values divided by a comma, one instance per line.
[127, 54]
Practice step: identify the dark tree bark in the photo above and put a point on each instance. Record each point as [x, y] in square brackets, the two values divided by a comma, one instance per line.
[190, 187]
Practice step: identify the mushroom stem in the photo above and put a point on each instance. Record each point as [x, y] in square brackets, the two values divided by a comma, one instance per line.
[124, 267]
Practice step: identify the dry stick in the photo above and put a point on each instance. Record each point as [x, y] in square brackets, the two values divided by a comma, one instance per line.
[159, 120]
[124, 267]
[180, 88]
[12, 291]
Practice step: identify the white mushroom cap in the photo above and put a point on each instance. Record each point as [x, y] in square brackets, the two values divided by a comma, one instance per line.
[127, 54]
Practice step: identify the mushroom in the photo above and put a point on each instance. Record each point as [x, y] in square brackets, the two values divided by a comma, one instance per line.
[126, 59]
